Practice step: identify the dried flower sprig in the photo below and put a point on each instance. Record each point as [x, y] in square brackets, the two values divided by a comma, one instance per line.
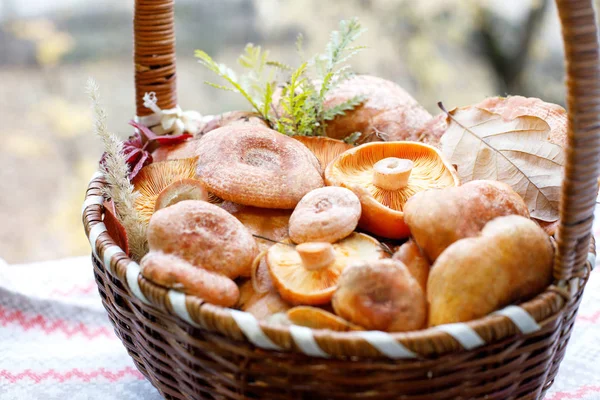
[116, 172]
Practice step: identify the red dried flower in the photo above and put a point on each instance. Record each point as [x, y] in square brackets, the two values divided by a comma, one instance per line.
[136, 148]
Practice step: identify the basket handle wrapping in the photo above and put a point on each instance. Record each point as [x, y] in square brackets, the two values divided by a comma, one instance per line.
[154, 59]
[154, 53]
[580, 184]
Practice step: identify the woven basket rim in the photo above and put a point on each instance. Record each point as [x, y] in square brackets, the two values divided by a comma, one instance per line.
[238, 325]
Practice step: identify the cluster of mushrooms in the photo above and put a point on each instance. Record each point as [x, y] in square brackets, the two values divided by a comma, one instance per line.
[316, 232]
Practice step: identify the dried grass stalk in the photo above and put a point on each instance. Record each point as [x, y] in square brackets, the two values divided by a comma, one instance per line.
[116, 171]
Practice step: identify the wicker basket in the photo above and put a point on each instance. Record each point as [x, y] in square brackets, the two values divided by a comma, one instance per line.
[192, 350]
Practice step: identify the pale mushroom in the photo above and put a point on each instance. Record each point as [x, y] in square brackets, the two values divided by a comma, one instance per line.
[325, 215]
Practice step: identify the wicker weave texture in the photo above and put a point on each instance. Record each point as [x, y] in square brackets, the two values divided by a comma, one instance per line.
[211, 357]
[154, 53]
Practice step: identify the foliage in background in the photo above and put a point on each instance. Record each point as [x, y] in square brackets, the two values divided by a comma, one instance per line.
[299, 106]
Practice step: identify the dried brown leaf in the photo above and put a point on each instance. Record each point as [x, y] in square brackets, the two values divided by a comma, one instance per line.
[483, 145]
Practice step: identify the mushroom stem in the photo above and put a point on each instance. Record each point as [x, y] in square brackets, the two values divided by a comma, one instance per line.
[316, 255]
[392, 173]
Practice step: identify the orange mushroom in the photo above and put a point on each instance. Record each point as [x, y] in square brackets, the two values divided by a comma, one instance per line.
[261, 305]
[266, 224]
[153, 178]
[317, 318]
[384, 175]
[325, 215]
[308, 273]
[324, 148]
[256, 166]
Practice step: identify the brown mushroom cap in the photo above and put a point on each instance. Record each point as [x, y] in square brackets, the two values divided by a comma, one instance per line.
[153, 178]
[383, 181]
[204, 235]
[324, 148]
[308, 273]
[176, 151]
[173, 272]
[389, 111]
[380, 295]
[264, 222]
[257, 166]
[326, 214]
[438, 218]
[510, 260]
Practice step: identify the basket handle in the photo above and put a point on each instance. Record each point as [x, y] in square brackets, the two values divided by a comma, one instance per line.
[154, 59]
[154, 53]
[580, 184]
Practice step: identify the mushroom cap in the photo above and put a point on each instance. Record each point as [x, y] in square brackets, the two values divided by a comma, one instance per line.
[205, 236]
[265, 222]
[438, 218]
[382, 210]
[261, 305]
[511, 260]
[317, 318]
[153, 178]
[299, 285]
[389, 111]
[380, 295]
[233, 118]
[184, 189]
[176, 151]
[415, 261]
[173, 272]
[325, 149]
[327, 214]
[257, 166]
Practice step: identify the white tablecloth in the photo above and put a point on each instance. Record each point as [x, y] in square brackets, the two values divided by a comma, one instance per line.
[56, 342]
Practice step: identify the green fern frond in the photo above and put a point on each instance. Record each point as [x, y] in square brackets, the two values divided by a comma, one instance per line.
[341, 108]
[226, 73]
[222, 87]
[279, 65]
[302, 98]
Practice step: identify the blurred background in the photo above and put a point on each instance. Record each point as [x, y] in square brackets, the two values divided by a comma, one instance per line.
[456, 51]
